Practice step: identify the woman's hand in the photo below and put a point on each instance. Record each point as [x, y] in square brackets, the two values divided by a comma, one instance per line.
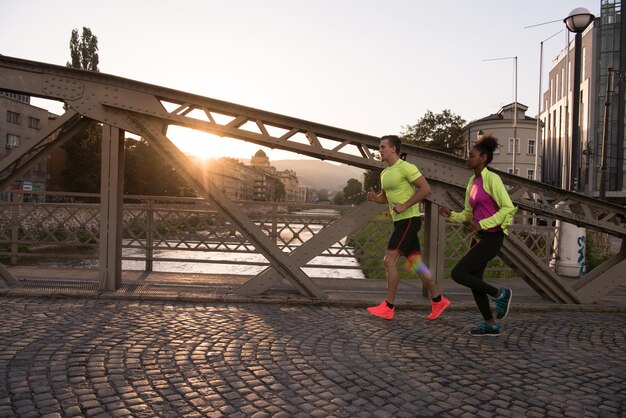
[474, 227]
[444, 211]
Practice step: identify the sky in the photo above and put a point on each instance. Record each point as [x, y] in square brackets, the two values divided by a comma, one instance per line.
[368, 66]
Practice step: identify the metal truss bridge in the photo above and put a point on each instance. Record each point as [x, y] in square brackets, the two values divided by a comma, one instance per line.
[124, 105]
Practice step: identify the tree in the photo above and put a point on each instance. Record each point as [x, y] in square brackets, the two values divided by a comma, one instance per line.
[353, 192]
[441, 131]
[279, 190]
[84, 150]
[322, 194]
[372, 180]
[147, 173]
[82, 167]
[339, 198]
[84, 51]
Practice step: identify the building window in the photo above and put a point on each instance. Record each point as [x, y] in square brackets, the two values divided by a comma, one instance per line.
[13, 141]
[530, 174]
[558, 85]
[531, 147]
[510, 170]
[13, 117]
[33, 123]
[20, 97]
[510, 150]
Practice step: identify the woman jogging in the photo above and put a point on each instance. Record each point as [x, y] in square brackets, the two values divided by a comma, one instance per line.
[488, 213]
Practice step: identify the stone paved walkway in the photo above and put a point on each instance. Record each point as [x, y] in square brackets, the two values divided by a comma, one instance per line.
[85, 357]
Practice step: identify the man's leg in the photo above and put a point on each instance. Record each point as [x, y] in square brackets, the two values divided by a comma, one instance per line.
[417, 264]
[438, 302]
[390, 260]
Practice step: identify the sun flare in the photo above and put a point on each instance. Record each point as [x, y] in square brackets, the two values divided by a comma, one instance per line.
[206, 146]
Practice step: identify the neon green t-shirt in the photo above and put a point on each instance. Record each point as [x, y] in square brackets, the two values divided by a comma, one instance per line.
[397, 182]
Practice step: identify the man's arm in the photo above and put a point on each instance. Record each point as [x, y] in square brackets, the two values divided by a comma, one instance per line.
[422, 189]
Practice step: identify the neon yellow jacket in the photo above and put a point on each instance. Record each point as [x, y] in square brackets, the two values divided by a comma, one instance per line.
[492, 183]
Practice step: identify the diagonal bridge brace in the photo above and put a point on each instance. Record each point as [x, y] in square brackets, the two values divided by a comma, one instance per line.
[151, 129]
[308, 250]
[604, 278]
[24, 157]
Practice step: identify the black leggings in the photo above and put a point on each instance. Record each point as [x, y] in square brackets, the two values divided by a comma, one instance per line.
[470, 269]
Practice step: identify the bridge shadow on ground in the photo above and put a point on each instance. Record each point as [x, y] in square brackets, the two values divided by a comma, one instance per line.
[42, 281]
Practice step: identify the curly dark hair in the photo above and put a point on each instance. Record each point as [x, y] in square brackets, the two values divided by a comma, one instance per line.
[487, 146]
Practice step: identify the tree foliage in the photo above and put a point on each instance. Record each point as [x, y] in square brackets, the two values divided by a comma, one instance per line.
[339, 198]
[279, 190]
[82, 168]
[372, 180]
[84, 50]
[84, 150]
[353, 192]
[438, 131]
[147, 173]
[322, 194]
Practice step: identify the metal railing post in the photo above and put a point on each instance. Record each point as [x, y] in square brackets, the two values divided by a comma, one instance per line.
[16, 201]
[150, 236]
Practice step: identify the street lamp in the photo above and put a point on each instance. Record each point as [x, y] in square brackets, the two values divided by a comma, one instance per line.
[514, 106]
[605, 130]
[607, 103]
[577, 21]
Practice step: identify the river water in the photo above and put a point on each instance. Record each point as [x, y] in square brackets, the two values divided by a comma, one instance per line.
[213, 262]
[217, 262]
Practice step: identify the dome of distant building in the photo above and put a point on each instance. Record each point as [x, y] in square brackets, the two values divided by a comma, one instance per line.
[261, 160]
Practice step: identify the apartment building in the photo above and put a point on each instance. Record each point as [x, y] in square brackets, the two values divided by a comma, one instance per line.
[601, 49]
[19, 122]
[556, 117]
[518, 157]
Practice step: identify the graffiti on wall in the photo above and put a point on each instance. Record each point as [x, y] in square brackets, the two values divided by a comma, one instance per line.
[582, 266]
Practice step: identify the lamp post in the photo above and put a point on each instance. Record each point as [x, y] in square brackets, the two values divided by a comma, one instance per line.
[607, 104]
[577, 21]
[611, 84]
[514, 106]
[570, 249]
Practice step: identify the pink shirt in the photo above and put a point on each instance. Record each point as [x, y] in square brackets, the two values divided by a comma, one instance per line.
[482, 204]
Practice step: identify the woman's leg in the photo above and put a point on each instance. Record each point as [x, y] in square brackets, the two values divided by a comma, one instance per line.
[469, 271]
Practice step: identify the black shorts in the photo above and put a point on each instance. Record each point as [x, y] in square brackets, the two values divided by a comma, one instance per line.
[404, 236]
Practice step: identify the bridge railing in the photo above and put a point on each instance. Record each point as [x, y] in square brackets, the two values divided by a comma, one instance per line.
[179, 232]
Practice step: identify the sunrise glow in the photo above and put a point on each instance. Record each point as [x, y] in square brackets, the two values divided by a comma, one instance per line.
[204, 145]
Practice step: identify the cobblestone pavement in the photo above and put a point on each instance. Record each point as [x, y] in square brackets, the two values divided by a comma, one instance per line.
[75, 357]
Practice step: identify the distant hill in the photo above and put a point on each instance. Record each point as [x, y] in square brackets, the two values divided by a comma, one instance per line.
[320, 174]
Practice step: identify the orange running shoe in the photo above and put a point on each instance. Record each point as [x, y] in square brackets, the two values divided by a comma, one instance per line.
[382, 310]
[438, 307]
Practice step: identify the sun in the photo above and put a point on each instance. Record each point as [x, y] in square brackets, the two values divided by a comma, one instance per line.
[207, 146]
